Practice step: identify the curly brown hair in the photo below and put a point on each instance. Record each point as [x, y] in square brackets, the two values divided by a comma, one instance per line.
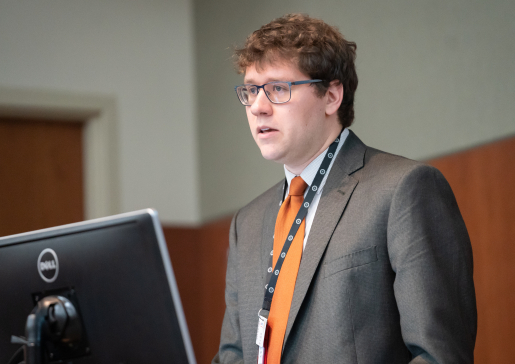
[318, 49]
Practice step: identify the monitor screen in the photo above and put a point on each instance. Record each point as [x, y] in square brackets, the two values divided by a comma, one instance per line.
[114, 274]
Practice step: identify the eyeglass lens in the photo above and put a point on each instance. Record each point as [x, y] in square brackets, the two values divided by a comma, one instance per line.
[277, 92]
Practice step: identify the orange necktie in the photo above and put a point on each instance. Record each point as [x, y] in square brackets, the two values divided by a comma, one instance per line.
[280, 309]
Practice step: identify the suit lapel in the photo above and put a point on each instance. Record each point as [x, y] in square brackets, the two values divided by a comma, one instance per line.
[337, 191]
[267, 240]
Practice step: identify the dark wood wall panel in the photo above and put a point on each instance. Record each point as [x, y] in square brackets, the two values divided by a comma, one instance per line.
[215, 244]
[483, 180]
[199, 259]
[41, 175]
[184, 246]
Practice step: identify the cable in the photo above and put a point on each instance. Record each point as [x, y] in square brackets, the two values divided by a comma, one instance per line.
[18, 357]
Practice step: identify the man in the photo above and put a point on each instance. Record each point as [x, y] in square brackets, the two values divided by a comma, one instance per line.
[363, 255]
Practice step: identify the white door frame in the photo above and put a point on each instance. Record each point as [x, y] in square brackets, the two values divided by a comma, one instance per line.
[100, 138]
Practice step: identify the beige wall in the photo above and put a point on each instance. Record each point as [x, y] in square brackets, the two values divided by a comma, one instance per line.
[434, 77]
[140, 53]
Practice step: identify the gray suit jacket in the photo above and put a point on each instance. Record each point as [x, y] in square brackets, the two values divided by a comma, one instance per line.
[386, 275]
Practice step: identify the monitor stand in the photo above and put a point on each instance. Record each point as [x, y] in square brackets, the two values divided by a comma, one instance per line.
[53, 332]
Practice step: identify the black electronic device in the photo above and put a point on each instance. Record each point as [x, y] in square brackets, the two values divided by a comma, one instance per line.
[100, 291]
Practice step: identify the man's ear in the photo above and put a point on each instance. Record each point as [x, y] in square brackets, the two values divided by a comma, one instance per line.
[334, 96]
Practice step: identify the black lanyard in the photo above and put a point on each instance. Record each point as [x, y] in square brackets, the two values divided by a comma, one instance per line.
[273, 274]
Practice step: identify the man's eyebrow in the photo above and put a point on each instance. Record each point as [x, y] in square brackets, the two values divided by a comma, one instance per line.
[251, 82]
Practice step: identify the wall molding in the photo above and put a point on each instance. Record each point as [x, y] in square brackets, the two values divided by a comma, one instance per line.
[98, 113]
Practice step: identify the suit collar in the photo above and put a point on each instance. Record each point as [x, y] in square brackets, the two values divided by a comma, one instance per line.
[337, 192]
[349, 159]
[352, 155]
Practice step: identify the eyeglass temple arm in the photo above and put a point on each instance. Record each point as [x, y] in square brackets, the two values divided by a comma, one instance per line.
[303, 82]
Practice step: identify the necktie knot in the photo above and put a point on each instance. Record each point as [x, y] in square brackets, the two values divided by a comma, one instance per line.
[297, 186]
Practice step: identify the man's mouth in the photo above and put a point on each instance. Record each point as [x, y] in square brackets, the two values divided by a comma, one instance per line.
[266, 130]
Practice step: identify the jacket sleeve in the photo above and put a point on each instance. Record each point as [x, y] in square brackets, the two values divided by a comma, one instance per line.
[431, 254]
[230, 350]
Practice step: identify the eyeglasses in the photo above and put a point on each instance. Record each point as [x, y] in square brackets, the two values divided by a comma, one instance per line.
[278, 92]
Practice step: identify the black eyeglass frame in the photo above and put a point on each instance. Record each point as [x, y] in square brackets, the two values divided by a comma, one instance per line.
[290, 84]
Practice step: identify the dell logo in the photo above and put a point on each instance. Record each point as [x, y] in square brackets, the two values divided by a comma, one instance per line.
[48, 265]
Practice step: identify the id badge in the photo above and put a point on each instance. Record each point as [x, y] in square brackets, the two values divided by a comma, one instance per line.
[261, 355]
[262, 340]
[261, 331]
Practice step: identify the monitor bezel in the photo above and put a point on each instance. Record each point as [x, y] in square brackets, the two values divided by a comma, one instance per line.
[112, 221]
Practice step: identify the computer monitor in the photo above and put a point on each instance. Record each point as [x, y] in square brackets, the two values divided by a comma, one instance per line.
[111, 282]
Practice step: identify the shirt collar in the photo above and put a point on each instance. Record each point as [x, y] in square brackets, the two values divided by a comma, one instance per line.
[309, 173]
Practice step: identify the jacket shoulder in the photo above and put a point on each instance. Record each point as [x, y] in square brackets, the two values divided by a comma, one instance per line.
[258, 205]
[393, 168]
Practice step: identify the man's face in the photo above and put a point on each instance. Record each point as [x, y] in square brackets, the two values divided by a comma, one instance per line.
[290, 133]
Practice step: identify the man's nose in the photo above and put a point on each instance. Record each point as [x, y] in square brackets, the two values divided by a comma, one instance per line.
[261, 105]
